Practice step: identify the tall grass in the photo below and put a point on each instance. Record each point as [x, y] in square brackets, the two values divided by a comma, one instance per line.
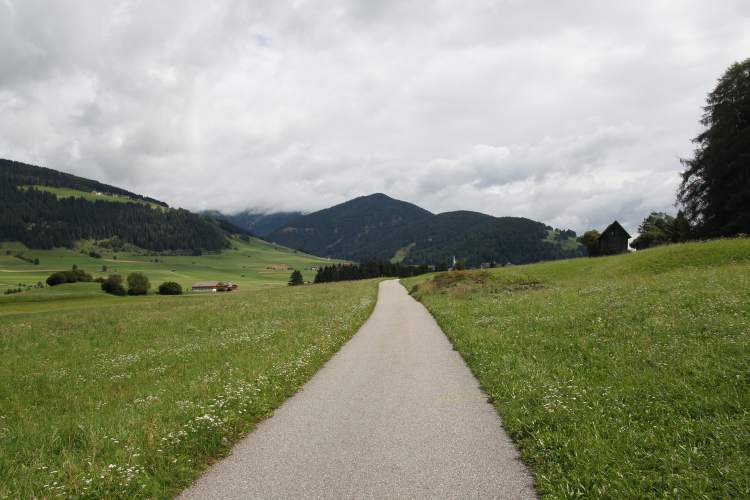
[134, 399]
[618, 377]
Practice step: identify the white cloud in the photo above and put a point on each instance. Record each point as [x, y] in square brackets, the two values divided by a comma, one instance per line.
[574, 113]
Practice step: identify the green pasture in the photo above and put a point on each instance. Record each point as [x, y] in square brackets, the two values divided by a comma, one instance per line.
[254, 264]
[568, 244]
[62, 192]
[617, 377]
[133, 397]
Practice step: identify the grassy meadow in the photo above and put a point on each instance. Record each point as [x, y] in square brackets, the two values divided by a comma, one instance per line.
[618, 377]
[254, 264]
[61, 192]
[132, 399]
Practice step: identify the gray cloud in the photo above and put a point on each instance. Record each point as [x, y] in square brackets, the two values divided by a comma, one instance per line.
[574, 113]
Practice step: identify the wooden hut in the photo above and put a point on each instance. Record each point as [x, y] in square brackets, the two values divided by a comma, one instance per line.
[613, 240]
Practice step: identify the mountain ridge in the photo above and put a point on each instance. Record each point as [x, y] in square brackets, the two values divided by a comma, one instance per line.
[45, 208]
[379, 226]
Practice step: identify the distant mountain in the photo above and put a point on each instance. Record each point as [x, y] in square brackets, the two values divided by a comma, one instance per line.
[258, 224]
[356, 228]
[378, 226]
[44, 208]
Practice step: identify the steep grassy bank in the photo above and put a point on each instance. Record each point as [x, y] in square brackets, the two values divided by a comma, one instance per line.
[134, 400]
[619, 377]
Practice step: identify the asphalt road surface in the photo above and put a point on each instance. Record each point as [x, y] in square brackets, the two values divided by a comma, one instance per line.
[395, 414]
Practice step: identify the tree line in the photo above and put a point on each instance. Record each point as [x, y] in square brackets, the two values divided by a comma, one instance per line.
[137, 283]
[367, 269]
[714, 194]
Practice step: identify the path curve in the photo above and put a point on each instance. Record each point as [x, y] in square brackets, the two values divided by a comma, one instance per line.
[394, 414]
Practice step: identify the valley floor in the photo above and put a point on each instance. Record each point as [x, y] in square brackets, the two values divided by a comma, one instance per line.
[251, 264]
[133, 400]
[617, 377]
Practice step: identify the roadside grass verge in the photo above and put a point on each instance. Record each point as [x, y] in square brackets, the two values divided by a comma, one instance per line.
[135, 400]
[617, 377]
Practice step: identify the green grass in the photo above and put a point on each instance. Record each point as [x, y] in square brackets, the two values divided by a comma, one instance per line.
[402, 253]
[61, 193]
[254, 264]
[568, 244]
[133, 398]
[618, 377]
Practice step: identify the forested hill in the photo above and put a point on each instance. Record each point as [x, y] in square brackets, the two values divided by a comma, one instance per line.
[378, 226]
[44, 208]
[259, 224]
[21, 174]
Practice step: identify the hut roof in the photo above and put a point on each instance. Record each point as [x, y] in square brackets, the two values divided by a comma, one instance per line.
[615, 226]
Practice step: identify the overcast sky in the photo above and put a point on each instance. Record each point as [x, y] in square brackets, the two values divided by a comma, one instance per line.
[574, 113]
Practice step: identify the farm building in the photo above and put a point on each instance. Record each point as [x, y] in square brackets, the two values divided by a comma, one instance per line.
[214, 286]
[613, 240]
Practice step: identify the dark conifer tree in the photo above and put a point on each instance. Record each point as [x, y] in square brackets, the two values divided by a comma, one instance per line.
[715, 189]
[296, 278]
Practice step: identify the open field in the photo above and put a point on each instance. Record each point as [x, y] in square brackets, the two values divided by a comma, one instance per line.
[62, 192]
[252, 265]
[618, 377]
[134, 398]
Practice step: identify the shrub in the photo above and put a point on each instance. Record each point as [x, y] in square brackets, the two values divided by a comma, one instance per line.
[61, 277]
[81, 275]
[113, 285]
[170, 288]
[138, 284]
[55, 279]
[590, 240]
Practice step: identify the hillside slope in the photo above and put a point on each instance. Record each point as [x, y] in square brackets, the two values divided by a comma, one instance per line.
[618, 377]
[258, 224]
[44, 208]
[381, 227]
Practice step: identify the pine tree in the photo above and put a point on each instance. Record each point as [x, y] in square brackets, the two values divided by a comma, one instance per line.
[715, 189]
[296, 278]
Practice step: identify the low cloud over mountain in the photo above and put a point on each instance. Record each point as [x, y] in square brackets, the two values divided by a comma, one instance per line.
[569, 113]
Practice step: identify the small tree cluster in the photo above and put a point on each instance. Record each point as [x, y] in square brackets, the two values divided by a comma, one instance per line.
[113, 284]
[73, 276]
[660, 228]
[367, 269]
[170, 288]
[138, 284]
[590, 240]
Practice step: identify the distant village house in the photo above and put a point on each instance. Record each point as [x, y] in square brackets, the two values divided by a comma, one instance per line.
[214, 286]
[613, 240]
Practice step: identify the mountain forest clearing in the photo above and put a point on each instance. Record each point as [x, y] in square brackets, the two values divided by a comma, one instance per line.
[617, 377]
[62, 192]
[251, 264]
[135, 400]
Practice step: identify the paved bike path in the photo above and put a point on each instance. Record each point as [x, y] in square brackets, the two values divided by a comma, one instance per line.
[394, 414]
